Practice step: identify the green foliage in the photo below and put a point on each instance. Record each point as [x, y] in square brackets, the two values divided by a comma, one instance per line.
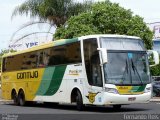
[106, 18]
[55, 11]
[155, 71]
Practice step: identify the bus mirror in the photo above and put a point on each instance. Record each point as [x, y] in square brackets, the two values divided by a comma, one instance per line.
[103, 54]
[153, 57]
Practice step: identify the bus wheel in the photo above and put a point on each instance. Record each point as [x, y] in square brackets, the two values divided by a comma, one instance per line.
[79, 101]
[117, 107]
[21, 98]
[14, 97]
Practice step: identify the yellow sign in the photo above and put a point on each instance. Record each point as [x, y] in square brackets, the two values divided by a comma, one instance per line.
[129, 90]
[91, 97]
[124, 89]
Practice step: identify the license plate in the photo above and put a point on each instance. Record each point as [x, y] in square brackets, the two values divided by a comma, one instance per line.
[131, 98]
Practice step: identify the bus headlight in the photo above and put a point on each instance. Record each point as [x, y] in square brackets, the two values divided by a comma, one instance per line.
[111, 90]
[148, 89]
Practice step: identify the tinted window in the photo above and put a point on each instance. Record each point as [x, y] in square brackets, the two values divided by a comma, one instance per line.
[57, 55]
[65, 54]
[29, 60]
[14, 63]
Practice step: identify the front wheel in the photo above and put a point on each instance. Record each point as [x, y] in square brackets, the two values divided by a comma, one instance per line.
[79, 101]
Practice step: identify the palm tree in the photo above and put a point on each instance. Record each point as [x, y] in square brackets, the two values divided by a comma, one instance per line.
[55, 11]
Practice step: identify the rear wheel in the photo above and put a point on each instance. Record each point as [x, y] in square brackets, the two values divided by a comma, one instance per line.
[14, 97]
[79, 101]
[21, 98]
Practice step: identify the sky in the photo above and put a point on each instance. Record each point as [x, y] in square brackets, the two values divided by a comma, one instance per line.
[148, 9]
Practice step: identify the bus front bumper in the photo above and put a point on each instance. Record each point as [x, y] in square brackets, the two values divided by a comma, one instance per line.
[110, 98]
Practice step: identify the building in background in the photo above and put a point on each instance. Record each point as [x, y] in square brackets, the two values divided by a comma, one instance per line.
[156, 45]
[29, 42]
[155, 27]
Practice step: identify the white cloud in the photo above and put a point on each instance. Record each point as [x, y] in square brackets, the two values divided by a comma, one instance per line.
[8, 26]
[148, 9]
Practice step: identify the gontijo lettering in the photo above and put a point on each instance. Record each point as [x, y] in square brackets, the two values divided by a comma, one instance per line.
[27, 75]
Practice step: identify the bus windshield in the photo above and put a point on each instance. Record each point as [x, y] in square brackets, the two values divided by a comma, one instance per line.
[115, 43]
[127, 61]
[126, 67]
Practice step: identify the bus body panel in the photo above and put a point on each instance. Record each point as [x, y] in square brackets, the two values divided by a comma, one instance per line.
[72, 78]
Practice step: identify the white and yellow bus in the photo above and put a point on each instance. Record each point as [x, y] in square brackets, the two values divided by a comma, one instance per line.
[89, 70]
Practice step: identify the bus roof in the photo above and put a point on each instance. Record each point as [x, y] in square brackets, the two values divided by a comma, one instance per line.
[109, 35]
[65, 41]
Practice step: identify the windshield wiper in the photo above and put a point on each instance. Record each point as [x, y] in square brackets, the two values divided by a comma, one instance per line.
[126, 71]
[135, 69]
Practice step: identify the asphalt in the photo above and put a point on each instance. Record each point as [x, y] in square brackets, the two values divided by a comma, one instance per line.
[69, 112]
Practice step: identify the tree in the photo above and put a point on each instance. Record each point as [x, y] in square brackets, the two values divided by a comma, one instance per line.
[106, 18]
[54, 11]
[155, 71]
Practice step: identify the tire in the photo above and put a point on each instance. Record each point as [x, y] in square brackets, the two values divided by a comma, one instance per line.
[154, 94]
[15, 98]
[21, 98]
[117, 107]
[79, 101]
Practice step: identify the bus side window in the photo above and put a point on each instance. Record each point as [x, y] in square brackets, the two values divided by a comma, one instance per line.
[4, 65]
[46, 57]
[57, 55]
[40, 59]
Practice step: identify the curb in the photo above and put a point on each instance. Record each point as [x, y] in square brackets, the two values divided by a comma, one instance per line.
[5, 101]
[155, 99]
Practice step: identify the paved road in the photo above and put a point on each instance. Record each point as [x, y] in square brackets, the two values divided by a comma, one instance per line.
[151, 107]
[67, 112]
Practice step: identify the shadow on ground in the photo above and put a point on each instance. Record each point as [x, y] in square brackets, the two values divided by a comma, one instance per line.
[102, 109]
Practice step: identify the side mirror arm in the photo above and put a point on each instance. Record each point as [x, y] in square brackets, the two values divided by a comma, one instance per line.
[103, 55]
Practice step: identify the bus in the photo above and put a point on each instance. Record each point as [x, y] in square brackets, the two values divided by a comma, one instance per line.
[88, 70]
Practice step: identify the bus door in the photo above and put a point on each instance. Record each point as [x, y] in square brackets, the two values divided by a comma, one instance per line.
[93, 68]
